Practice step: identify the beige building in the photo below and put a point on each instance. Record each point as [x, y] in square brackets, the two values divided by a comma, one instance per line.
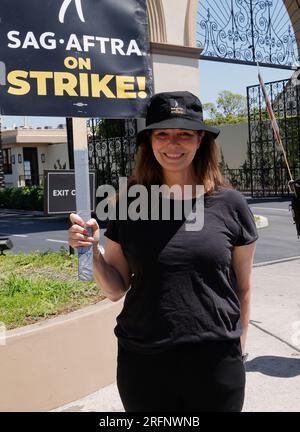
[28, 152]
[175, 55]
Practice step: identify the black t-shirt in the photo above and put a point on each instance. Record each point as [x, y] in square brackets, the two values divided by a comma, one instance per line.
[184, 288]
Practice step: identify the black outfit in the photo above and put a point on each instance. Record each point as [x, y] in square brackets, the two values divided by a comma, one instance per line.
[182, 300]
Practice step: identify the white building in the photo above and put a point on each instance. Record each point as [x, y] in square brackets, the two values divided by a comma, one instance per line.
[28, 152]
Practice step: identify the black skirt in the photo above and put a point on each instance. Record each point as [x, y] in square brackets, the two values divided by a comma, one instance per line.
[201, 377]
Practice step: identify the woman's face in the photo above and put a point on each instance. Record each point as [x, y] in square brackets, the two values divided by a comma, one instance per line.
[175, 149]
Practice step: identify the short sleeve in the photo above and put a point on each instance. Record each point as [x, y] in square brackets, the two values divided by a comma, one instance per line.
[247, 231]
[112, 231]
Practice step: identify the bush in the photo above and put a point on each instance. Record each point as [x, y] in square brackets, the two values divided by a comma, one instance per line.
[24, 198]
[221, 120]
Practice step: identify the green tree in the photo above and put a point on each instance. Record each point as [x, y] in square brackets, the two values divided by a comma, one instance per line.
[110, 128]
[231, 108]
[210, 109]
[231, 104]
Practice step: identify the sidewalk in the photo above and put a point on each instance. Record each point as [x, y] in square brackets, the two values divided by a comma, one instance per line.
[273, 366]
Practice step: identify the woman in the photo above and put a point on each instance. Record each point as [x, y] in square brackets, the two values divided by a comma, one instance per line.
[183, 327]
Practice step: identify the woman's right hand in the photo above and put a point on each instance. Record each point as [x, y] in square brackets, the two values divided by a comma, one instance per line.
[78, 235]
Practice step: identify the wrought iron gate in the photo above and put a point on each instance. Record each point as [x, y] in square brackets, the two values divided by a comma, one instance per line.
[267, 174]
[112, 147]
[248, 31]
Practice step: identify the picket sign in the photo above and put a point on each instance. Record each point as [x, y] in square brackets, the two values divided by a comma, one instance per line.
[92, 60]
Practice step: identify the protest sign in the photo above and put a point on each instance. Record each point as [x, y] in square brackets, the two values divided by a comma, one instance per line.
[74, 58]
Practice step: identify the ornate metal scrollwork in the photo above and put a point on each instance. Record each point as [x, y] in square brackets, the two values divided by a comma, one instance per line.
[112, 149]
[268, 170]
[264, 172]
[247, 31]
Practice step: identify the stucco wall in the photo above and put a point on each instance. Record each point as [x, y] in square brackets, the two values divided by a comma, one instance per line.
[175, 67]
[293, 7]
[17, 167]
[175, 14]
[54, 152]
[233, 141]
[46, 365]
[175, 73]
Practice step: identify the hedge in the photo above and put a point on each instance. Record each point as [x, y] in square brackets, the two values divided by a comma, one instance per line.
[24, 198]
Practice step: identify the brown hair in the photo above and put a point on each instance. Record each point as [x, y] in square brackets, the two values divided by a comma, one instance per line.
[148, 171]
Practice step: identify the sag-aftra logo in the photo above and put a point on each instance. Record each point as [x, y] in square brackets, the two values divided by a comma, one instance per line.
[64, 7]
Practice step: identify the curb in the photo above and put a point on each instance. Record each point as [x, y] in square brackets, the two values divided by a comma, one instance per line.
[16, 213]
[277, 261]
[20, 212]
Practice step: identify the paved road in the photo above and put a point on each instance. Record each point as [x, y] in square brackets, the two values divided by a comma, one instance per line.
[29, 233]
[277, 241]
[34, 233]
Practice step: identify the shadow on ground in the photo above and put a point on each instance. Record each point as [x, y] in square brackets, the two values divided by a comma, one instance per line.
[282, 367]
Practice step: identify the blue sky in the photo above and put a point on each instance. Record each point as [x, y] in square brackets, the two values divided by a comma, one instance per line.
[214, 77]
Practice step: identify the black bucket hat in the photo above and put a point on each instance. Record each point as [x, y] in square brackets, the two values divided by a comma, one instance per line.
[176, 110]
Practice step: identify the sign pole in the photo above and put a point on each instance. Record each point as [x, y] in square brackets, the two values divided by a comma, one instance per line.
[69, 122]
[83, 201]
